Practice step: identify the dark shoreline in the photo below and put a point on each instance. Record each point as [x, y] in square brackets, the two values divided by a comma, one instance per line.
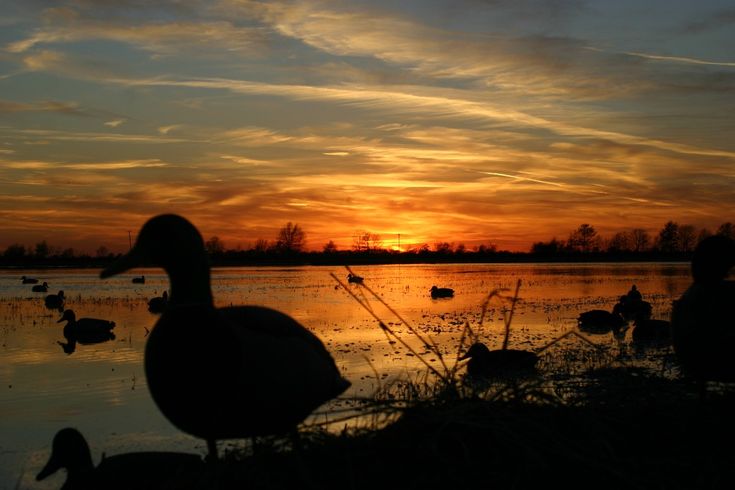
[243, 259]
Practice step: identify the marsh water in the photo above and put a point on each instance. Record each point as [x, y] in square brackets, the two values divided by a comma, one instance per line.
[101, 388]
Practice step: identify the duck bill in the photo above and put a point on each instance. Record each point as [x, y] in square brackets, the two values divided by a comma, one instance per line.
[465, 356]
[51, 467]
[132, 259]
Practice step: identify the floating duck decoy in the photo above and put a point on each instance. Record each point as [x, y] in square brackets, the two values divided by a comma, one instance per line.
[141, 470]
[651, 331]
[29, 280]
[139, 280]
[441, 292]
[55, 301]
[224, 373]
[40, 288]
[84, 331]
[702, 318]
[158, 303]
[486, 363]
[355, 279]
[600, 321]
[633, 309]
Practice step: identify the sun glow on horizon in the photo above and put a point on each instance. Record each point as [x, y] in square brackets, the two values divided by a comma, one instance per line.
[489, 126]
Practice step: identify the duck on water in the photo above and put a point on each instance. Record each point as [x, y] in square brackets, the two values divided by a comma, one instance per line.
[224, 373]
[84, 331]
[141, 470]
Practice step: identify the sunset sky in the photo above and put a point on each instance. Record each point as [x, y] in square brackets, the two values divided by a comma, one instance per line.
[473, 121]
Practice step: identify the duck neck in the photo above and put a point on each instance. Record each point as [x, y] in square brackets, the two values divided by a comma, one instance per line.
[190, 285]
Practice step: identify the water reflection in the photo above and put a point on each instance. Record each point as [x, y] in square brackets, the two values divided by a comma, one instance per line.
[101, 389]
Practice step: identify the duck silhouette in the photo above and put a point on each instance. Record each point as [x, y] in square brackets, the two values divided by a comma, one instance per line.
[355, 279]
[29, 280]
[139, 280]
[651, 331]
[600, 321]
[703, 317]
[84, 331]
[141, 470]
[40, 288]
[486, 363]
[441, 292]
[158, 303]
[224, 373]
[55, 301]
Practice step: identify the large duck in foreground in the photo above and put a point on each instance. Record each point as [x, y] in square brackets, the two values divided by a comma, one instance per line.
[223, 373]
[702, 319]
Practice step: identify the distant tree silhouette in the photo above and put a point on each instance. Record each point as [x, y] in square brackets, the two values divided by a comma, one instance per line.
[261, 246]
[330, 247]
[291, 238]
[364, 241]
[703, 233]
[15, 251]
[460, 249]
[550, 248]
[727, 229]
[42, 250]
[620, 242]
[443, 248]
[102, 251]
[687, 238]
[640, 239]
[583, 238]
[214, 246]
[668, 238]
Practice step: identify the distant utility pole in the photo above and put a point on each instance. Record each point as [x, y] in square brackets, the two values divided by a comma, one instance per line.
[399, 242]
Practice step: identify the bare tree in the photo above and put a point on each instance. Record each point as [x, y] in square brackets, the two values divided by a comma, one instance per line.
[214, 246]
[364, 241]
[330, 247]
[620, 242]
[291, 238]
[668, 237]
[583, 238]
[687, 238]
[726, 229]
[640, 239]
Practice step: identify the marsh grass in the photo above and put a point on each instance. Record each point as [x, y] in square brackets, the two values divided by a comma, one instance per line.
[590, 419]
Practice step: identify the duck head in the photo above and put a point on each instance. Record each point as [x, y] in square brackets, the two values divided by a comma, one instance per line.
[173, 243]
[713, 258]
[67, 316]
[477, 349]
[69, 450]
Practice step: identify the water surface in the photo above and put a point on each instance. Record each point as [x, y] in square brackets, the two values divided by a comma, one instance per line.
[101, 390]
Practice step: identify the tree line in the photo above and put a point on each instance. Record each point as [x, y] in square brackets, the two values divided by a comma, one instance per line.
[673, 241]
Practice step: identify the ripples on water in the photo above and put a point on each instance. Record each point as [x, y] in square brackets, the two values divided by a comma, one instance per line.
[101, 390]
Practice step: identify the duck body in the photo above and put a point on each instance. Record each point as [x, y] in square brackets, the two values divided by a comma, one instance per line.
[600, 321]
[55, 301]
[141, 470]
[40, 288]
[220, 373]
[486, 363]
[652, 331]
[139, 280]
[437, 292]
[355, 279]
[86, 330]
[29, 280]
[253, 372]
